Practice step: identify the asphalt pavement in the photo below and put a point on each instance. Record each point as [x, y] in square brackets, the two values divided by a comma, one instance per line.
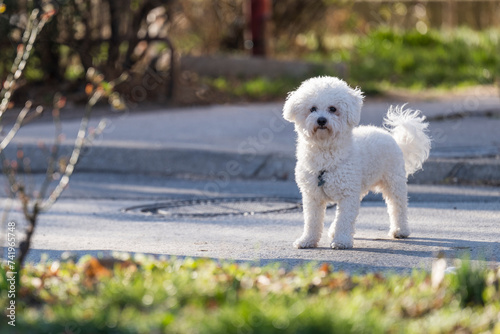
[257, 222]
[217, 182]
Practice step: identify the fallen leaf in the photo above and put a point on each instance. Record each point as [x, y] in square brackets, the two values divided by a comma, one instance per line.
[325, 269]
[94, 269]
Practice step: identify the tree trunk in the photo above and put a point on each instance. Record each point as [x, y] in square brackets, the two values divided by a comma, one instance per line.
[115, 39]
[49, 52]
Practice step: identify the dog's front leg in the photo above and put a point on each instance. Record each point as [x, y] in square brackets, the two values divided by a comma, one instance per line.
[342, 229]
[314, 216]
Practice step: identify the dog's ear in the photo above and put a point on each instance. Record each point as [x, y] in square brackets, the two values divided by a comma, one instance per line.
[354, 103]
[290, 107]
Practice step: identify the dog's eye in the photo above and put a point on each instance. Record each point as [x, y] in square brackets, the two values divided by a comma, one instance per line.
[332, 109]
[313, 109]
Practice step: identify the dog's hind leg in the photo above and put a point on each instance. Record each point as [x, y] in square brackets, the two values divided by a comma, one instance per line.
[314, 217]
[342, 229]
[395, 192]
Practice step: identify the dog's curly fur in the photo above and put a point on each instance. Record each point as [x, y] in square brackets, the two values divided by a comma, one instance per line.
[340, 162]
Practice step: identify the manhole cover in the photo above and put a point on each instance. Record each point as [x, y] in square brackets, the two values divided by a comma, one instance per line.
[219, 207]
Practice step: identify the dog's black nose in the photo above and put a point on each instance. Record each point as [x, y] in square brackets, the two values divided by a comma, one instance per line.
[321, 121]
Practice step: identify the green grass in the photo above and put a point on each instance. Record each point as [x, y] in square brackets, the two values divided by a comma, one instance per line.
[256, 89]
[145, 295]
[409, 59]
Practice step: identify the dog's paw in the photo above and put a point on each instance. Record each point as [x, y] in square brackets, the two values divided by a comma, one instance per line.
[399, 233]
[342, 244]
[305, 243]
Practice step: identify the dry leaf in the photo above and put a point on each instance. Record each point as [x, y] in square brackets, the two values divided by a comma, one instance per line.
[325, 269]
[94, 269]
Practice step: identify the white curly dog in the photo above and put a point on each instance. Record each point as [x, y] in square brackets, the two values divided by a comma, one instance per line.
[340, 162]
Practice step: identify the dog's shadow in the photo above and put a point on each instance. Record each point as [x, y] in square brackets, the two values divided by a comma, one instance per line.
[429, 247]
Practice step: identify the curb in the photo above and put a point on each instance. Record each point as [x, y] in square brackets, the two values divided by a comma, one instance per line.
[477, 171]
[223, 166]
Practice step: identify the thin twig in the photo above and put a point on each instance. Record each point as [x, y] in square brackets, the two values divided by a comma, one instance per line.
[75, 154]
[17, 125]
[9, 173]
[33, 28]
[56, 115]
[30, 117]
[5, 214]
[81, 140]
[16, 69]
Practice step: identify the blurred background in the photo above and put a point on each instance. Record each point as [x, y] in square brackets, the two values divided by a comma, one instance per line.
[217, 51]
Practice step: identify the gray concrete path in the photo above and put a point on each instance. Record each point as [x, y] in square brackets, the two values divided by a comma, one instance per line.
[90, 218]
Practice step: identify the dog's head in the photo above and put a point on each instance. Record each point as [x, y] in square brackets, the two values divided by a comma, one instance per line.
[323, 108]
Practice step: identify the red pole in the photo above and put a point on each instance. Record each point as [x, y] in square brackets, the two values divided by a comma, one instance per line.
[259, 14]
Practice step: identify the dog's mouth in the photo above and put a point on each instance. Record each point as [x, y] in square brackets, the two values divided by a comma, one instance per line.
[321, 127]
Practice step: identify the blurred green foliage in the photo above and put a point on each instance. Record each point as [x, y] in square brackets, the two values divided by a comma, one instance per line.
[381, 46]
[435, 59]
[146, 295]
[470, 284]
[259, 88]
[388, 58]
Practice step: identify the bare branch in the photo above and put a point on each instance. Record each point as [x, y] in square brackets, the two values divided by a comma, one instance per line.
[82, 139]
[23, 53]
[75, 154]
[56, 116]
[35, 24]
[38, 112]
[17, 125]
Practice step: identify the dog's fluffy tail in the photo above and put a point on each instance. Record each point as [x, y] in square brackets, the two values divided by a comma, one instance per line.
[409, 129]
